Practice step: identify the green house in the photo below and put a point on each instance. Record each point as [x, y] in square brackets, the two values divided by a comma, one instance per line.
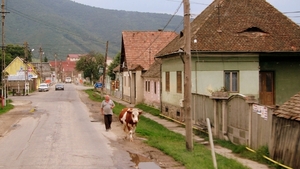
[241, 47]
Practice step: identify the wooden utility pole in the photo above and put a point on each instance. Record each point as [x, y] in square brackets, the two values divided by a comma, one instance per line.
[104, 69]
[55, 57]
[41, 63]
[187, 77]
[3, 56]
[26, 68]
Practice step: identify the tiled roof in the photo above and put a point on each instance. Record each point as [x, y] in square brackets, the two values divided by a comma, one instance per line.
[76, 55]
[140, 47]
[153, 71]
[240, 26]
[290, 109]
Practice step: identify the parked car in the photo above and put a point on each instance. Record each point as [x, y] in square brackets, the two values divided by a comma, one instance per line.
[59, 87]
[44, 87]
[68, 80]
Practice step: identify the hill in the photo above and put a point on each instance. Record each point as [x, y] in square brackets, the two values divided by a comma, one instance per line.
[64, 26]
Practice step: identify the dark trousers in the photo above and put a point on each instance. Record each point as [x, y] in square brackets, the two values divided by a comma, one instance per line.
[107, 121]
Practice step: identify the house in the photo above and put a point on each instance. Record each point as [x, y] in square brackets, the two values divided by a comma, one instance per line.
[137, 55]
[118, 80]
[152, 85]
[284, 142]
[66, 68]
[244, 47]
[44, 70]
[21, 73]
[74, 57]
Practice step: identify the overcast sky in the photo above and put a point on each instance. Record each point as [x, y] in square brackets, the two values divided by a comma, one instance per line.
[171, 6]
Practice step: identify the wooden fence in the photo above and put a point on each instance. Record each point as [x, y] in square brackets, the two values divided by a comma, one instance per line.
[234, 118]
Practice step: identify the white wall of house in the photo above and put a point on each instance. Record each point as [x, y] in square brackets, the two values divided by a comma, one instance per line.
[133, 88]
[151, 97]
[126, 83]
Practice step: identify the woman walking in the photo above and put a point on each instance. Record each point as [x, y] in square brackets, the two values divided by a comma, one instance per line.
[106, 109]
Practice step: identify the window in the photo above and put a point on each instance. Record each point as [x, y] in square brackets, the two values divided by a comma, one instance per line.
[179, 81]
[167, 81]
[147, 86]
[231, 81]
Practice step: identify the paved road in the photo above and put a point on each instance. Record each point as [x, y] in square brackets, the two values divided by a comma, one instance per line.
[59, 136]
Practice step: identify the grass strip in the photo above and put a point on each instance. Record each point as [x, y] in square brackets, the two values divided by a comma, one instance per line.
[174, 144]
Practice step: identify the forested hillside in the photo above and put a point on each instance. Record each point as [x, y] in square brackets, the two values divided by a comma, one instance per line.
[64, 26]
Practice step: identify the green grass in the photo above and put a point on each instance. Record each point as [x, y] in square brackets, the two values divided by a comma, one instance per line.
[174, 144]
[94, 95]
[148, 109]
[7, 108]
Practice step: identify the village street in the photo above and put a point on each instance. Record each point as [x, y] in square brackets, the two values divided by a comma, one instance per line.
[63, 129]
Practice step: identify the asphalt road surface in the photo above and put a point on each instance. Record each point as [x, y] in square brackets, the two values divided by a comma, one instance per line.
[60, 135]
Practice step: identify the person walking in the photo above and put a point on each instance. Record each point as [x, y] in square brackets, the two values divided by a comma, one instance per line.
[106, 109]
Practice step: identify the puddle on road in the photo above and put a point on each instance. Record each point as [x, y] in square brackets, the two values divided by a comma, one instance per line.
[142, 162]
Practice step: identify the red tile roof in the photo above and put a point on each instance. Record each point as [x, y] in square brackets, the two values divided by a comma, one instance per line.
[290, 109]
[240, 26]
[153, 71]
[140, 47]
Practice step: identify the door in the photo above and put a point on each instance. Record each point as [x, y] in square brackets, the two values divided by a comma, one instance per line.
[266, 88]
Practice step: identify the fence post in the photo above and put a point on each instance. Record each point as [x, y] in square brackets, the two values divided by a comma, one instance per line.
[211, 141]
[250, 100]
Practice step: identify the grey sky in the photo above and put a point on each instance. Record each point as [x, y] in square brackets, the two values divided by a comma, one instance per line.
[171, 6]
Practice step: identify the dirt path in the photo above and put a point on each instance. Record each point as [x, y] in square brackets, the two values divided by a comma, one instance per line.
[138, 150]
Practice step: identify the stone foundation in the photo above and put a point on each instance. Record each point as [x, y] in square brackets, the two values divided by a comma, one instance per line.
[174, 112]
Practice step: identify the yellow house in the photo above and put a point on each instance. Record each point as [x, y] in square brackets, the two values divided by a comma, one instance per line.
[17, 70]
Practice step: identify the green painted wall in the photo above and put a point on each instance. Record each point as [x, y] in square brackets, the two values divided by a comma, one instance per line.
[286, 76]
[208, 74]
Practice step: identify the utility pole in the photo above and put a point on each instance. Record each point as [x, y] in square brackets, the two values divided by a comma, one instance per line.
[187, 77]
[41, 63]
[55, 57]
[3, 56]
[104, 69]
[26, 68]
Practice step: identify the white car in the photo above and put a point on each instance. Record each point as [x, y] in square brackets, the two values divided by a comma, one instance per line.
[44, 87]
[68, 80]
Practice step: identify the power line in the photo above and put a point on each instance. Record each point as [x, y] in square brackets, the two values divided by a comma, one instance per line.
[161, 31]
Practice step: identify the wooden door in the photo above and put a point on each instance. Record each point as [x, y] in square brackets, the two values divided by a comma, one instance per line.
[266, 93]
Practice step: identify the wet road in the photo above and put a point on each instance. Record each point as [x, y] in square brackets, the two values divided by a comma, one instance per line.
[60, 136]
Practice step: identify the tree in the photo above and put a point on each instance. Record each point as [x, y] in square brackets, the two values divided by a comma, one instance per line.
[114, 64]
[45, 59]
[90, 65]
[13, 51]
